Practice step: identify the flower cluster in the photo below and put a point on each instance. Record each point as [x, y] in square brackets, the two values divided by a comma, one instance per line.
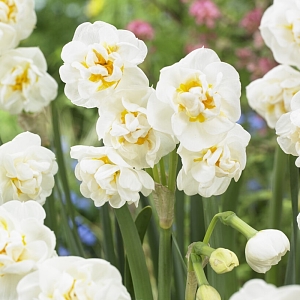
[25, 84]
[101, 70]
[17, 21]
[198, 101]
[276, 96]
[205, 12]
[30, 268]
[73, 277]
[26, 169]
[25, 242]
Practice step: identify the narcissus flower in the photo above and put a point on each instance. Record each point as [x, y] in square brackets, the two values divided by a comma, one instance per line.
[288, 130]
[73, 278]
[210, 170]
[258, 289]
[24, 81]
[271, 95]
[26, 169]
[265, 249]
[280, 29]
[106, 177]
[17, 21]
[123, 125]
[199, 100]
[25, 242]
[99, 60]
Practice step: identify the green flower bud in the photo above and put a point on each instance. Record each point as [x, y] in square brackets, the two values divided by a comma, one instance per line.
[207, 292]
[223, 260]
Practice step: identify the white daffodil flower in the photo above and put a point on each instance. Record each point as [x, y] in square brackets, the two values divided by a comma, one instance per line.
[26, 169]
[25, 242]
[288, 130]
[258, 289]
[199, 100]
[298, 220]
[17, 21]
[106, 177]
[99, 60]
[271, 95]
[123, 125]
[265, 249]
[209, 171]
[280, 29]
[24, 81]
[71, 278]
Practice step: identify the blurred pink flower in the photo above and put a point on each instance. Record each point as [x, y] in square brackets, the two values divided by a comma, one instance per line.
[244, 55]
[142, 29]
[257, 66]
[260, 67]
[258, 40]
[251, 20]
[205, 12]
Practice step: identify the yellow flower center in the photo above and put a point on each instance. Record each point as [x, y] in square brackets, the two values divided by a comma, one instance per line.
[207, 101]
[108, 64]
[11, 11]
[21, 80]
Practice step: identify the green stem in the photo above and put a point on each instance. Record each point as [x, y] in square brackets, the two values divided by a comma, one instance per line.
[135, 254]
[62, 172]
[199, 272]
[162, 172]
[210, 229]
[277, 188]
[108, 246]
[275, 214]
[201, 248]
[235, 222]
[155, 173]
[291, 272]
[173, 160]
[165, 264]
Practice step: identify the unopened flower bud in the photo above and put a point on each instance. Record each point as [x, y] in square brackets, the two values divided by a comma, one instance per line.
[223, 260]
[265, 249]
[207, 292]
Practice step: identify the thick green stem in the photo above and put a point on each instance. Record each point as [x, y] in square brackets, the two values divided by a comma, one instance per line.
[135, 254]
[164, 198]
[165, 264]
[275, 214]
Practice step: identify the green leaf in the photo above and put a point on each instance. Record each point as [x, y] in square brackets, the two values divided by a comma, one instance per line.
[135, 254]
[141, 222]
